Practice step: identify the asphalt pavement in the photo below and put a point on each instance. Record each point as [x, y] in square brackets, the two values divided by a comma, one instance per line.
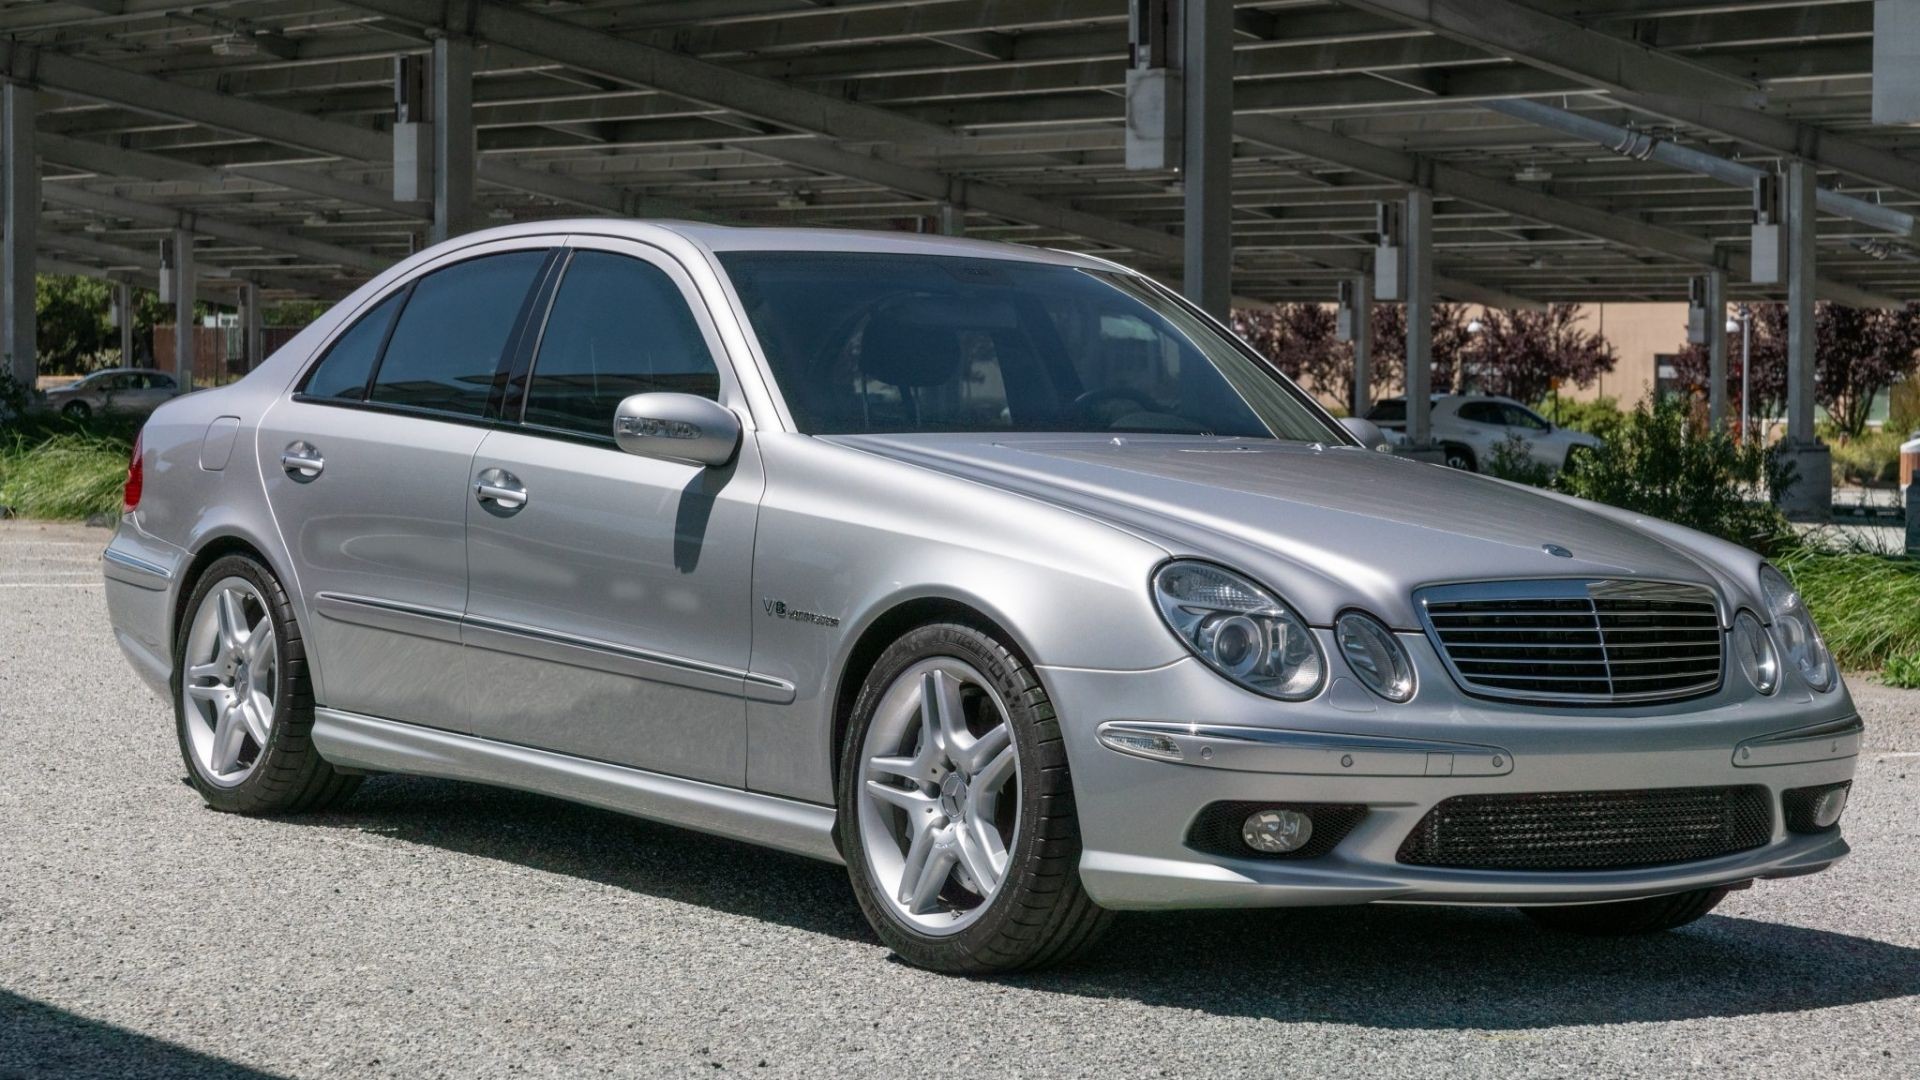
[435, 929]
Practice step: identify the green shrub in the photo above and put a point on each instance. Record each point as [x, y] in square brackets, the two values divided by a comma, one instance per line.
[71, 476]
[1871, 458]
[1867, 604]
[1601, 416]
[1513, 460]
[1902, 671]
[1660, 463]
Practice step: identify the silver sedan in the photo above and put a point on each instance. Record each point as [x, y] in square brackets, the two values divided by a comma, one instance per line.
[1003, 576]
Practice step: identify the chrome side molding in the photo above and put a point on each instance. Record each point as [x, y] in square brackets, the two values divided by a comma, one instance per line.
[1818, 742]
[147, 575]
[365, 742]
[1307, 753]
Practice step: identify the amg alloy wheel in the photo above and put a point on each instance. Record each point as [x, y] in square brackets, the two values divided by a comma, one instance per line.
[956, 808]
[243, 705]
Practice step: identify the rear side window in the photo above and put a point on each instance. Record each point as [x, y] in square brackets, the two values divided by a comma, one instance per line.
[446, 347]
[342, 373]
[1482, 412]
[619, 326]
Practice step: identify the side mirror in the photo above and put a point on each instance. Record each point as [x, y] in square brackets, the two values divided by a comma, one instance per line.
[677, 427]
[1367, 432]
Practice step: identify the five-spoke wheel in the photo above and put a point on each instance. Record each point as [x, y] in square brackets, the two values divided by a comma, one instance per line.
[231, 682]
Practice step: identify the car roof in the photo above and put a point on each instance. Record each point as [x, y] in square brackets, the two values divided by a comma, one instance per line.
[723, 238]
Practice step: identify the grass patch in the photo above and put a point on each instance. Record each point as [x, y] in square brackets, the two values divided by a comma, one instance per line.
[68, 476]
[1867, 605]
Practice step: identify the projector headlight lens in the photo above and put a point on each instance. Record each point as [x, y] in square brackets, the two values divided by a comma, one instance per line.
[1806, 651]
[1375, 655]
[1754, 650]
[1240, 630]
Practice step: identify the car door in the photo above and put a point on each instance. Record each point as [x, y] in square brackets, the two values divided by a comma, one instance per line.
[1531, 428]
[145, 391]
[610, 600]
[366, 471]
[112, 391]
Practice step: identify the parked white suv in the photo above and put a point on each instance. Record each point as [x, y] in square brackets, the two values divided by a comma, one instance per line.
[1469, 427]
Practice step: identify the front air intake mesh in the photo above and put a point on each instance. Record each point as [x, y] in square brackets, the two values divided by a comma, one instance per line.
[1590, 830]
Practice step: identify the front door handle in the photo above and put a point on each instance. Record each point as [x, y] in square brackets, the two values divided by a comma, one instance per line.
[302, 461]
[501, 488]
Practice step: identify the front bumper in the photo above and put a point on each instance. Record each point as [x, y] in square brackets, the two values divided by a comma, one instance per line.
[1348, 747]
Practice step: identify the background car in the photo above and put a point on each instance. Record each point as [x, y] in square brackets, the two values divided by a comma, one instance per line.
[137, 391]
[1470, 427]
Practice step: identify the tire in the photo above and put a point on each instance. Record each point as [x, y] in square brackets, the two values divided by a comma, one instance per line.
[1626, 918]
[285, 774]
[1459, 457]
[1038, 914]
[77, 410]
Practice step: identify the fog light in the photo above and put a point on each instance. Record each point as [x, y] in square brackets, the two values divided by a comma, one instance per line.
[1827, 807]
[1276, 832]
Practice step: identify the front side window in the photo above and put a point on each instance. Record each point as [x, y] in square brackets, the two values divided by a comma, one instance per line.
[445, 350]
[869, 342]
[160, 382]
[618, 326]
[1524, 418]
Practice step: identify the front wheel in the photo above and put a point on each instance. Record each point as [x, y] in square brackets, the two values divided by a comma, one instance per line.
[1459, 457]
[77, 410]
[243, 705]
[1625, 918]
[956, 809]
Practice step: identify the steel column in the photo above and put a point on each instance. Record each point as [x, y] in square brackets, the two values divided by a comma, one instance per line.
[181, 286]
[123, 314]
[455, 153]
[1362, 308]
[1419, 293]
[1809, 497]
[1206, 45]
[953, 219]
[22, 218]
[250, 336]
[1716, 302]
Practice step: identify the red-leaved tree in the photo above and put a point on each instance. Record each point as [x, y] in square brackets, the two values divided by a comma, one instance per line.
[1858, 353]
[1523, 354]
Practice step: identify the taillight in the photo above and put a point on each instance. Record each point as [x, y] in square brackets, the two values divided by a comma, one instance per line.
[136, 476]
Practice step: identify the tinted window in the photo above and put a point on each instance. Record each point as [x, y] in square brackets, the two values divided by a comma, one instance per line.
[884, 342]
[1389, 412]
[619, 326]
[1482, 412]
[1522, 418]
[447, 344]
[160, 382]
[342, 373]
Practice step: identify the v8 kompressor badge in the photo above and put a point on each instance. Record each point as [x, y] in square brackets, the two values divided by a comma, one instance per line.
[779, 610]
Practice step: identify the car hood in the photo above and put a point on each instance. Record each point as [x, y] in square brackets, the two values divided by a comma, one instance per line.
[1328, 527]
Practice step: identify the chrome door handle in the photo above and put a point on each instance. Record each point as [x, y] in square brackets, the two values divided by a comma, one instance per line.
[302, 461]
[501, 488]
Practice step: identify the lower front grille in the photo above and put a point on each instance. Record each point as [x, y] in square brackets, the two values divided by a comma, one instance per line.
[1590, 830]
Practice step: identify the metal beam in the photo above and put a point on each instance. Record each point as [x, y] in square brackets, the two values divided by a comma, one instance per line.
[207, 225]
[21, 213]
[454, 149]
[1441, 178]
[1206, 57]
[1714, 293]
[615, 58]
[1362, 342]
[180, 282]
[1809, 497]
[1419, 293]
[1565, 48]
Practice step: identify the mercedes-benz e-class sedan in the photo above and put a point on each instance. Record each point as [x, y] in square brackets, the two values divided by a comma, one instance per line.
[1003, 576]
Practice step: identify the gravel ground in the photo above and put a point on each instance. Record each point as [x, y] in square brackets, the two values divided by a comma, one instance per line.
[437, 929]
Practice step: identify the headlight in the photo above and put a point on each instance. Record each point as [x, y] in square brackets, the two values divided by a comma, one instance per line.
[1800, 640]
[1240, 630]
[1375, 655]
[1754, 651]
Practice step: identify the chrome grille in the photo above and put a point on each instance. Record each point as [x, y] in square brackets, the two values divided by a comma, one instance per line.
[1577, 641]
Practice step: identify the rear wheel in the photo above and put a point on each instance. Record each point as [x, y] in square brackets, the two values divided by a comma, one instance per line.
[1628, 917]
[243, 705]
[956, 809]
[1459, 457]
[77, 410]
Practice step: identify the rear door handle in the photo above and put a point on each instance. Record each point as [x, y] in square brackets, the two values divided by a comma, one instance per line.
[302, 461]
[501, 488]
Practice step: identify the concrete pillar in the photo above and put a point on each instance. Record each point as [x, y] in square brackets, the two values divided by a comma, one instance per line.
[952, 220]
[123, 319]
[454, 151]
[1716, 304]
[180, 287]
[1419, 294]
[1362, 341]
[1206, 47]
[1810, 495]
[22, 218]
[250, 336]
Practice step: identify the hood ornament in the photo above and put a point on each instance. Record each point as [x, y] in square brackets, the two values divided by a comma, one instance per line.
[1557, 551]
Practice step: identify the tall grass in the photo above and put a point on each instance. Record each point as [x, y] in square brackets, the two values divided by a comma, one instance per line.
[1867, 605]
[68, 476]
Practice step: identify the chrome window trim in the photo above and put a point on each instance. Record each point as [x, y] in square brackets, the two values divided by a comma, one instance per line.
[1566, 588]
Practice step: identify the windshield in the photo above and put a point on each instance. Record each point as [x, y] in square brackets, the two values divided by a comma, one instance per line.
[926, 343]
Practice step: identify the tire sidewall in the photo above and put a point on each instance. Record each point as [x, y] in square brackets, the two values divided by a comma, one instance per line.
[1016, 685]
[250, 793]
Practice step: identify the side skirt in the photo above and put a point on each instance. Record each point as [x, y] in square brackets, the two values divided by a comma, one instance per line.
[364, 742]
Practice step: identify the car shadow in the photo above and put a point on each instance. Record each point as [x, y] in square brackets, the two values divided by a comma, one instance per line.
[39, 1040]
[1388, 966]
